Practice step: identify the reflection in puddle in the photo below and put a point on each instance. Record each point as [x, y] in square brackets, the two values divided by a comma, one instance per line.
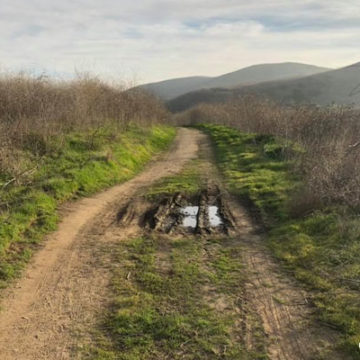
[190, 218]
[191, 212]
[214, 218]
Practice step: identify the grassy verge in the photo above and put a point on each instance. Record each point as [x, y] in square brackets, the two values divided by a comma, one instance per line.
[254, 170]
[175, 299]
[83, 164]
[320, 249]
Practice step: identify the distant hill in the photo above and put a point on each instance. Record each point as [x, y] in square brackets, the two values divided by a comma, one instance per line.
[194, 98]
[341, 86]
[263, 72]
[172, 88]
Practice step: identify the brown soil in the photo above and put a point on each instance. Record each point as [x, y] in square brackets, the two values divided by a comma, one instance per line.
[66, 286]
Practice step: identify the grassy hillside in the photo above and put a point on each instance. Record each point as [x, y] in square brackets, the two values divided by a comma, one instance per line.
[337, 86]
[320, 248]
[78, 165]
[170, 89]
[341, 86]
[264, 72]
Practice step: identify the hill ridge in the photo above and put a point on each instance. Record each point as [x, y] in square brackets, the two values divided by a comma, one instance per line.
[172, 88]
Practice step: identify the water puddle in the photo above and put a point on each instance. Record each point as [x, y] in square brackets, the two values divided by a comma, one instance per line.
[190, 216]
[204, 215]
[214, 218]
[191, 212]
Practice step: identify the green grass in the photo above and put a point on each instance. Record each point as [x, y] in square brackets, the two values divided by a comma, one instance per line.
[161, 310]
[321, 249]
[254, 169]
[83, 164]
[189, 182]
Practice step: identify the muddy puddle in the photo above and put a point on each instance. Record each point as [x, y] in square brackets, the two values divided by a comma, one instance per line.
[190, 216]
[204, 213]
[214, 216]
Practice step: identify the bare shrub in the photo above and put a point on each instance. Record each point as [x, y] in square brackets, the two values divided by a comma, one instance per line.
[32, 110]
[329, 139]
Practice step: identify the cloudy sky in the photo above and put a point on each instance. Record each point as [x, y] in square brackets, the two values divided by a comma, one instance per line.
[150, 40]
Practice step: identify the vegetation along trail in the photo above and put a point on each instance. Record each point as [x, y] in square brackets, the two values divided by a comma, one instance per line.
[62, 285]
[122, 278]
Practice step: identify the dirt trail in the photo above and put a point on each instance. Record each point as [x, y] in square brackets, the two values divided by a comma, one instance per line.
[66, 286]
[284, 307]
[60, 287]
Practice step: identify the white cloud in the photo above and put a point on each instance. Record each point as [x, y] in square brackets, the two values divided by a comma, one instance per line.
[157, 39]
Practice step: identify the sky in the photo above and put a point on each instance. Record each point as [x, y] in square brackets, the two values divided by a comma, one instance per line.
[150, 40]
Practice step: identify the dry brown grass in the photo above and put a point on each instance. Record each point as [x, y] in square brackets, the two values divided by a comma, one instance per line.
[328, 136]
[34, 109]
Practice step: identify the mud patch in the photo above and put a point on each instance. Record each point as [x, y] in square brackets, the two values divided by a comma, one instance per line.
[205, 213]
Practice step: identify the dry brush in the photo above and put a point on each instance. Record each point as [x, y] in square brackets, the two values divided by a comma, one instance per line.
[36, 109]
[328, 139]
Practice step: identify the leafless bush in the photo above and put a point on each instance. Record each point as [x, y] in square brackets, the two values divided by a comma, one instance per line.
[34, 109]
[328, 136]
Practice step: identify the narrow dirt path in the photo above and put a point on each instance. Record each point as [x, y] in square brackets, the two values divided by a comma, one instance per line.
[65, 289]
[60, 287]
